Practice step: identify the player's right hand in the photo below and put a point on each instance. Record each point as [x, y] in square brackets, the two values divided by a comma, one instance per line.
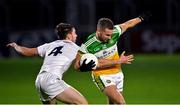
[13, 44]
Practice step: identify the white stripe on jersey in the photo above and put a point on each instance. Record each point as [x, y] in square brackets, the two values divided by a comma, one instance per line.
[119, 29]
[57, 63]
[89, 42]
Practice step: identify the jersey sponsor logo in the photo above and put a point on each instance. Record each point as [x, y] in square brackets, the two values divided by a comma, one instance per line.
[106, 53]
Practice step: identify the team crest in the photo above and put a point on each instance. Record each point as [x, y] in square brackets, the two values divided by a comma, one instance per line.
[111, 41]
[96, 49]
[108, 81]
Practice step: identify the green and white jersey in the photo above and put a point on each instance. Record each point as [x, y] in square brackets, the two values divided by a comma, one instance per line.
[106, 50]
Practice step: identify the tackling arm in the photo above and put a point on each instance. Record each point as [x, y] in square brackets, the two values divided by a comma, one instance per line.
[84, 66]
[102, 63]
[77, 61]
[23, 50]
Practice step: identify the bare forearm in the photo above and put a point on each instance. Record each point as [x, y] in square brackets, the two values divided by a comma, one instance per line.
[130, 23]
[77, 61]
[133, 22]
[104, 63]
[24, 50]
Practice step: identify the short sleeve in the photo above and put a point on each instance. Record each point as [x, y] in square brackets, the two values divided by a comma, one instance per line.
[118, 28]
[42, 50]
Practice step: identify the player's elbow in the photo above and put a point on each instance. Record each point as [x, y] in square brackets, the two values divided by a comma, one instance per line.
[76, 67]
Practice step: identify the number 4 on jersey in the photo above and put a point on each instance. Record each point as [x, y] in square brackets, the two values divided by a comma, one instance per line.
[56, 50]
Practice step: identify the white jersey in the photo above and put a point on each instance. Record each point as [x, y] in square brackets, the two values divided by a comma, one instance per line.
[58, 56]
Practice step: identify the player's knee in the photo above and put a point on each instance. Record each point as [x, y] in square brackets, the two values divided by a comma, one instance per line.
[121, 102]
[45, 102]
[81, 101]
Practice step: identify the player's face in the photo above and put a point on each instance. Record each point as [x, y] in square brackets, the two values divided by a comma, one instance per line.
[73, 35]
[104, 35]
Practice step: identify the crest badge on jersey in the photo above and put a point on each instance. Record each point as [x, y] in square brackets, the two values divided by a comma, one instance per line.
[108, 81]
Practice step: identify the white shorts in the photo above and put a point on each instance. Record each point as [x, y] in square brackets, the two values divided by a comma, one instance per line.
[49, 86]
[103, 81]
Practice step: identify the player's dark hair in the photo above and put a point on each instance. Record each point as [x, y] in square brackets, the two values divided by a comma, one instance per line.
[104, 23]
[62, 29]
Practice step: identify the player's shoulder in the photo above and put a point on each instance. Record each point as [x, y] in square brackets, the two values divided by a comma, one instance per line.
[117, 29]
[91, 38]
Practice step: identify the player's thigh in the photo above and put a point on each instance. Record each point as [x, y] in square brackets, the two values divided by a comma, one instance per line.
[103, 81]
[72, 96]
[113, 94]
[49, 86]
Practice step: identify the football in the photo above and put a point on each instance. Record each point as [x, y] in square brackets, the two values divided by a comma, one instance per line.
[89, 57]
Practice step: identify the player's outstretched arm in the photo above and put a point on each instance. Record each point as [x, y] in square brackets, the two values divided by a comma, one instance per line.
[132, 22]
[23, 50]
[104, 63]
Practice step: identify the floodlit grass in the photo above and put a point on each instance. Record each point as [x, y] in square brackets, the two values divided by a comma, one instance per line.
[150, 79]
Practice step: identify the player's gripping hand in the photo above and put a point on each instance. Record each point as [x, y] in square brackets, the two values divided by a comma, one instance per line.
[87, 67]
[145, 16]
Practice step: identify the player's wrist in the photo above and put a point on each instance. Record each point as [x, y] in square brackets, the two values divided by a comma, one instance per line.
[141, 18]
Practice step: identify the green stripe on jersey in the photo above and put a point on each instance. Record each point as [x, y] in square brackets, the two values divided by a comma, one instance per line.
[93, 45]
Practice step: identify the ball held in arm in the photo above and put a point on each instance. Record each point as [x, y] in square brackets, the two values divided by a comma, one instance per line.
[88, 62]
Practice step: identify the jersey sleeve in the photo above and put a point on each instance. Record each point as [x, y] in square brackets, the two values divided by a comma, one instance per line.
[42, 50]
[118, 30]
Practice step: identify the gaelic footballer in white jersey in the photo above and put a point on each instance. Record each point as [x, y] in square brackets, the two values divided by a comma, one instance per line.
[58, 56]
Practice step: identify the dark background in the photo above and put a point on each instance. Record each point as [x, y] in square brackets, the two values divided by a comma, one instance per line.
[32, 22]
[152, 78]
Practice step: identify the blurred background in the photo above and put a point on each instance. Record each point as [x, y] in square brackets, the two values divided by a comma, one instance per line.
[154, 76]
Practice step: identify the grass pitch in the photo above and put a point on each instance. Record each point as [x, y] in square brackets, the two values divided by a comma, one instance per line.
[150, 79]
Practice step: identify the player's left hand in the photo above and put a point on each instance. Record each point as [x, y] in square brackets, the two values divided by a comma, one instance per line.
[12, 45]
[145, 16]
[87, 67]
[126, 59]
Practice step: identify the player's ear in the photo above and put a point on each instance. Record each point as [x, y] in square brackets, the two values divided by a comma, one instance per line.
[97, 32]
